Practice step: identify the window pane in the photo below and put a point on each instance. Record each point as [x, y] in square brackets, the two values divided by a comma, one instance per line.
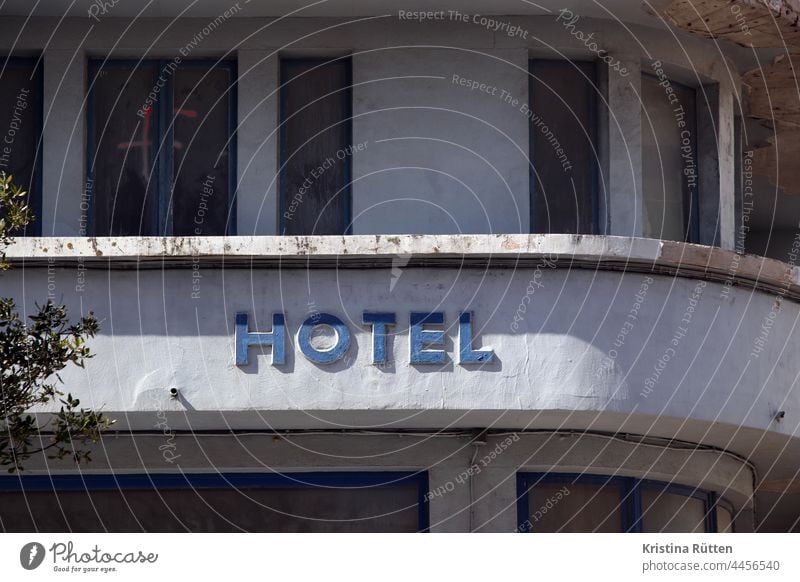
[315, 126]
[124, 149]
[371, 509]
[724, 520]
[20, 130]
[562, 133]
[201, 147]
[671, 513]
[574, 508]
[667, 189]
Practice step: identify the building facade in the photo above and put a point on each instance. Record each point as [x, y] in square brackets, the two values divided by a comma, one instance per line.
[373, 267]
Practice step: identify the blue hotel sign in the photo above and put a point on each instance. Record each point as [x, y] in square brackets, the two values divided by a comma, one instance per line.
[426, 344]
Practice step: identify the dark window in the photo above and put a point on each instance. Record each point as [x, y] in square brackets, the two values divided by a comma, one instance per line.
[161, 147]
[590, 508]
[666, 512]
[560, 502]
[670, 180]
[315, 134]
[563, 174]
[269, 502]
[21, 131]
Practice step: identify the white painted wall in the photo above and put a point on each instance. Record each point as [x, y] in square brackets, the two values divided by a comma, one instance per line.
[559, 358]
[450, 159]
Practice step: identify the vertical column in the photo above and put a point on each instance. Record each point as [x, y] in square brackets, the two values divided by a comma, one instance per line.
[738, 186]
[63, 150]
[725, 197]
[745, 521]
[495, 498]
[622, 201]
[257, 143]
[449, 498]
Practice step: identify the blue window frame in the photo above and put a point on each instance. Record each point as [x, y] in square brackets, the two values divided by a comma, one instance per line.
[630, 497]
[22, 110]
[224, 481]
[161, 147]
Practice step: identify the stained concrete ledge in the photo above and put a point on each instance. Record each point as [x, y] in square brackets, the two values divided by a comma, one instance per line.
[384, 251]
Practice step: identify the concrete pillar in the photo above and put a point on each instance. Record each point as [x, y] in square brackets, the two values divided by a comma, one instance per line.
[716, 153]
[745, 521]
[257, 143]
[727, 168]
[622, 202]
[449, 508]
[64, 167]
[495, 500]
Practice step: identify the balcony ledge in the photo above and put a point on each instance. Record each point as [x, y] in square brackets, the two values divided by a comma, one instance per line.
[380, 251]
